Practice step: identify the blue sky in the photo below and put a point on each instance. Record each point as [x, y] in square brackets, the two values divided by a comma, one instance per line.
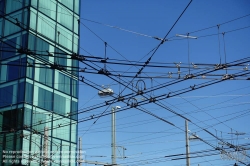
[221, 108]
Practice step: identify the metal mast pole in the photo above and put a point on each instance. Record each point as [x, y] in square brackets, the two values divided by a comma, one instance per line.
[45, 146]
[187, 143]
[113, 156]
[80, 151]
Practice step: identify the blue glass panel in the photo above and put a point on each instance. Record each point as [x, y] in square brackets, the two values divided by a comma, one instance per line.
[45, 99]
[12, 71]
[21, 89]
[9, 47]
[22, 67]
[60, 57]
[8, 95]
[74, 108]
[59, 104]
[74, 88]
[41, 47]
[31, 44]
[46, 75]
[75, 68]
[13, 6]
[64, 83]
[12, 26]
[29, 93]
[2, 6]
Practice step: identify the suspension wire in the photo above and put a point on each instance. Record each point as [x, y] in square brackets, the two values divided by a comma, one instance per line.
[101, 115]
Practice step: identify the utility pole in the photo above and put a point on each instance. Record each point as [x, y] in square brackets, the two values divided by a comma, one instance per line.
[113, 155]
[45, 146]
[80, 151]
[113, 135]
[187, 143]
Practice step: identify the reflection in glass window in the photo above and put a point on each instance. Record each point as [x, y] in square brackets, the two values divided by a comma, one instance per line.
[2, 5]
[65, 38]
[60, 57]
[21, 92]
[63, 83]
[65, 17]
[27, 117]
[62, 126]
[29, 93]
[10, 46]
[76, 23]
[11, 28]
[48, 7]
[33, 15]
[68, 3]
[59, 104]
[12, 70]
[74, 107]
[46, 26]
[46, 75]
[45, 99]
[41, 47]
[74, 88]
[8, 95]
[13, 6]
[77, 6]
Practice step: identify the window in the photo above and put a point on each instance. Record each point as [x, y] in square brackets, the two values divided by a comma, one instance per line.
[10, 46]
[74, 107]
[48, 7]
[11, 28]
[60, 57]
[41, 47]
[63, 83]
[13, 6]
[68, 3]
[2, 6]
[8, 95]
[12, 70]
[46, 26]
[33, 15]
[27, 117]
[21, 92]
[76, 23]
[77, 6]
[30, 68]
[62, 126]
[65, 38]
[75, 44]
[46, 75]
[12, 119]
[74, 88]
[59, 104]
[38, 119]
[29, 93]
[65, 17]
[45, 99]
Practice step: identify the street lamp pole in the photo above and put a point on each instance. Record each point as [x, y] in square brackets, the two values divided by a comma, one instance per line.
[187, 144]
[113, 135]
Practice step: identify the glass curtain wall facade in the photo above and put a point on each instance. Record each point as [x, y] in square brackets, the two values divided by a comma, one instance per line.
[38, 81]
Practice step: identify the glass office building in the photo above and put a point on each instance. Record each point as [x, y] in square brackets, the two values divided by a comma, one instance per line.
[38, 81]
